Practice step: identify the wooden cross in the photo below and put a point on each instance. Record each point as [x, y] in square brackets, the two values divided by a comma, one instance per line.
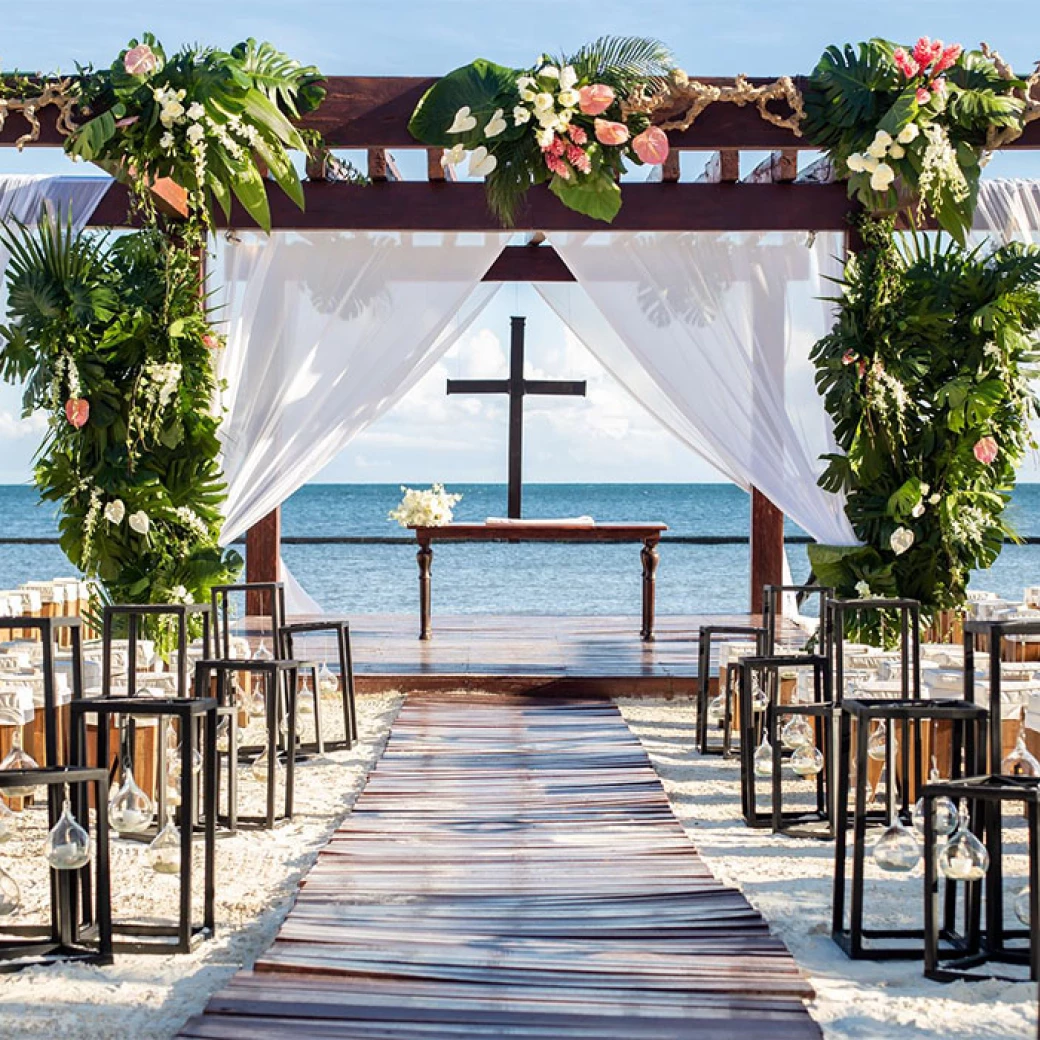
[517, 388]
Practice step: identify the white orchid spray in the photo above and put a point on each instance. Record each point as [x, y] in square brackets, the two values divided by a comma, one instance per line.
[430, 508]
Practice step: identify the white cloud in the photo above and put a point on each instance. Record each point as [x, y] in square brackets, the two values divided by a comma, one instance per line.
[14, 427]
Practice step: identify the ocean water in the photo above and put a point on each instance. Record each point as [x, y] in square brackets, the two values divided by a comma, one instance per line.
[521, 578]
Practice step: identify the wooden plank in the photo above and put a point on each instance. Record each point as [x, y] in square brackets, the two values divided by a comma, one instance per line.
[722, 168]
[514, 868]
[263, 551]
[767, 547]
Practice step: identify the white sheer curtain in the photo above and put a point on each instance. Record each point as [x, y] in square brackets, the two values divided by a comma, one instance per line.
[1009, 209]
[326, 332]
[711, 333]
[24, 196]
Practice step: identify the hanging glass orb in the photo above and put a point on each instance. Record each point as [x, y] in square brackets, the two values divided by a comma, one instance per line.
[8, 823]
[1022, 906]
[260, 767]
[256, 702]
[18, 758]
[224, 735]
[1020, 761]
[763, 758]
[305, 700]
[807, 760]
[262, 653]
[945, 817]
[10, 894]
[717, 708]
[877, 744]
[173, 793]
[963, 857]
[164, 853]
[796, 733]
[759, 697]
[328, 684]
[897, 851]
[170, 736]
[68, 845]
[173, 769]
[130, 810]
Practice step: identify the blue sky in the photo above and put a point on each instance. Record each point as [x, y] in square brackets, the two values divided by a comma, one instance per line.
[606, 436]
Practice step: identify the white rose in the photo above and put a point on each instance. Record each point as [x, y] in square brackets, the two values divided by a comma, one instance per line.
[563, 118]
[908, 133]
[870, 164]
[568, 98]
[524, 82]
[568, 77]
[548, 120]
[521, 115]
[896, 151]
[855, 163]
[115, 511]
[883, 137]
[528, 95]
[549, 71]
[882, 177]
[545, 137]
[901, 540]
[879, 151]
[139, 522]
[543, 102]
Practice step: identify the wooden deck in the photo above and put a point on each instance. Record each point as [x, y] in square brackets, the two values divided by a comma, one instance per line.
[592, 656]
[513, 868]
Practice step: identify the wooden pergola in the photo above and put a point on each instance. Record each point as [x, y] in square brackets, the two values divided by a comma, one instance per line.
[785, 192]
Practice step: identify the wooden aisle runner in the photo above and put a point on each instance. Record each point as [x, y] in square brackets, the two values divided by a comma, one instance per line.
[513, 869]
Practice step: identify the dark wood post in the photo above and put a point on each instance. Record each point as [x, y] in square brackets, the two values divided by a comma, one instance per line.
[767, 547]
[263, 553]
[516, 415]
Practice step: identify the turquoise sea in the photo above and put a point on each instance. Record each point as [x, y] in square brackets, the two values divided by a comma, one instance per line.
[529, 579]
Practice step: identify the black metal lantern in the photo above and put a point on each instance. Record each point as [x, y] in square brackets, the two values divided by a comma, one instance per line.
[988, 938]
[901, 850]
[726, 686]
[773, 612]
[807, 738]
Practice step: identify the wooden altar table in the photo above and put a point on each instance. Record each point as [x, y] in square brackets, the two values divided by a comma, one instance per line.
[542, 531]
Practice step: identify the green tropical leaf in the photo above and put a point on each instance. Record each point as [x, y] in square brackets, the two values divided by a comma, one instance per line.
[482, 86]
[597, 196]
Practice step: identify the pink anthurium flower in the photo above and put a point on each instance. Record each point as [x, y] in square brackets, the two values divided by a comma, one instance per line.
[140, 60]
[986, 450]
[210, 342]
[610, 133]
[77, 411]
[595, 99]
[651, 145]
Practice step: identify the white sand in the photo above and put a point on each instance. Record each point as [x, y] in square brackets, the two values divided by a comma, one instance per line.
[789, 881]
[146, 997]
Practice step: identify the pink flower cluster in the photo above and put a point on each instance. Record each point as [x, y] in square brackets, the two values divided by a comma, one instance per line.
[563, 156]
[930, 59]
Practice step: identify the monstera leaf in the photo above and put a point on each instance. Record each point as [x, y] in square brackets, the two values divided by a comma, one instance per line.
[482, 86]
[598, 197]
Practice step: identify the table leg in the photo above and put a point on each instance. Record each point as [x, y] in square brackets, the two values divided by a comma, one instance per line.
[425, 558]
[651, 558]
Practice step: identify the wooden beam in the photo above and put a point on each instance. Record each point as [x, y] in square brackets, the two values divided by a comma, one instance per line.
[381, 166]
[767, 547]
[425, 206]
[779, 167]
[436, 170]
[722, 168]
[264, 547]
[529, 264]
[671, 169]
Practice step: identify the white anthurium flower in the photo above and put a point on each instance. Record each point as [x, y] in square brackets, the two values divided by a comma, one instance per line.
[481, 162]
[549, 72]
[139, 522]
[882, 177]
[568, 98]
[896, 151]
[496, 124]
[115, 511]
[862, 590]
[908, 133]
[568, 77]
[545, 136]
[901, 540]
[521, 115]
[918, 510]
[454, 155]
[463, 122]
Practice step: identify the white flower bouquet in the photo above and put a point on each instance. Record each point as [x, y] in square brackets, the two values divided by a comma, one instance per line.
[431, 508]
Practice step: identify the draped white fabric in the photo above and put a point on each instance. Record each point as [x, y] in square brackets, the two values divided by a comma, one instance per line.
[711, 333]
[24, 196]
[1009, 210]
[326, 332]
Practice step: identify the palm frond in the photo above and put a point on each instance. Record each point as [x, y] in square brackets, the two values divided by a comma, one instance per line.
[625, 63]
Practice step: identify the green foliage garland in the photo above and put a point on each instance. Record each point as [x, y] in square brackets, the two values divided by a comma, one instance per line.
[563, 121]
[910, 125]
[926, 375]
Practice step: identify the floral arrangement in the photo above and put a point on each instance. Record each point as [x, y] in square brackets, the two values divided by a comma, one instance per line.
[909, 126]
[926, 375]
[213, 121]
[570, 121]
[108, 337]
[432, 508]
